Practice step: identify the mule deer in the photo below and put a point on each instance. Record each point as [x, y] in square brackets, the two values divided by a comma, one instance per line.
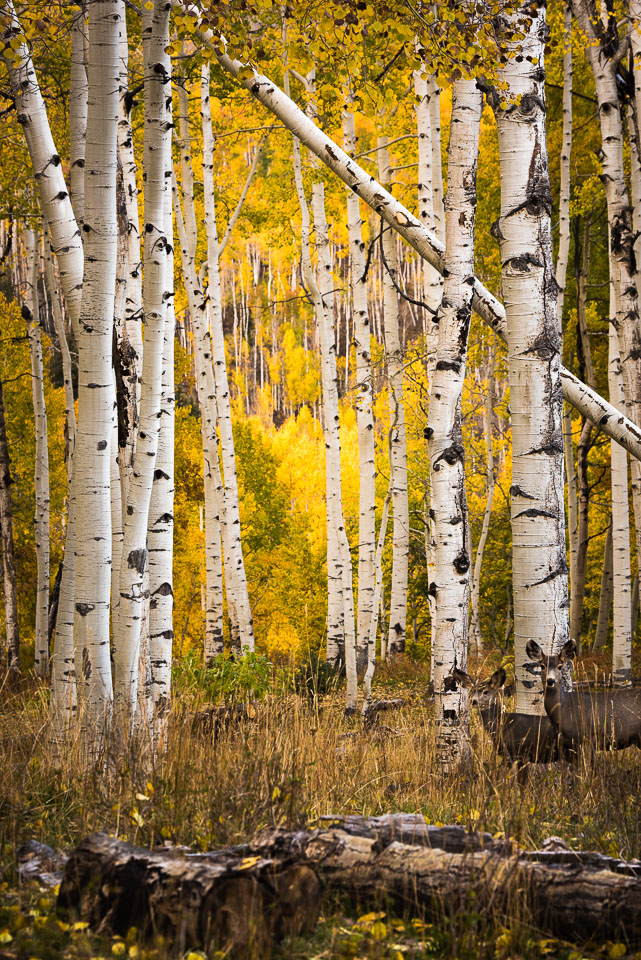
[520, 737]
[605, 718]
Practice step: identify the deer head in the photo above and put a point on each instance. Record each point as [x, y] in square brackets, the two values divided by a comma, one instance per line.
[483, 693]
[551, 662]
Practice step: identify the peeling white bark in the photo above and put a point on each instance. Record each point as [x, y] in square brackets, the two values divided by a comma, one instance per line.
[91, 476]
[450, 586]
[539, 563]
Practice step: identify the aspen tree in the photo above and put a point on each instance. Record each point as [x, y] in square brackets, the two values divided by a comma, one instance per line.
[160, 533]
[130, 334]
[223, 407]
[41, 472]
[450, 587]
[364, 415]
[78, 93]
[398, 448]
[157, 81]
[8, 552]
[91, 476]
[621, 576]
[602, 50]
[605, 595]
[539, 566]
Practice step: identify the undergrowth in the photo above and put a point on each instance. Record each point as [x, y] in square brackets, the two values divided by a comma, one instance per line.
[292, 760]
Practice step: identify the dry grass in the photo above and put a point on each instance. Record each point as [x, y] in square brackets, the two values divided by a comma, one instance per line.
[293, 762]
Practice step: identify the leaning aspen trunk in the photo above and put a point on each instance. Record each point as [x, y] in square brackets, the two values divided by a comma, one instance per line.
[91, 476]
[586, 400]
[55, 202]
[160, 532]
[223, 406]
[539, 563]
[398, 463]
[156, 249]
[601, 50]
[490, 484]
[364, 416]
[41, 474]
[8, 552]
[450, 587]
[336, 627]
[621, 577]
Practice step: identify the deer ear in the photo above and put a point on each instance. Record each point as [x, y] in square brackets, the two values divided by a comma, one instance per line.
[534, 651]
[498, 678]
[568, 650]
[463, 678]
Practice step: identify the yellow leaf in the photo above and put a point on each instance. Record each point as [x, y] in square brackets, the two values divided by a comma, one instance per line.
[5, 936]
[80, 925]
[118, 949]
[247, 863]
[276, 793]
[617, 950]
[141, 796]
[378, 930]
[135, 816]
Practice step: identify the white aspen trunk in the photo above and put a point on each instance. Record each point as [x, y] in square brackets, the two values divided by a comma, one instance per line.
[539, 564]
[605, 595]
[78, 93]
[91, 477]
[63, 695]
[130, 348]
[398, 463]
[451, 584]
[215, 517]
[600, 51]
[634, 121]
[373, 624]
[243, 195]
[336, 628]
[573, 507]
[490, 484]
[582, 397]
[41, 471]
[223, 407]
[117, 526]
[566, 153]
[434, 94]
[367, 603]
[160, 533]
[621, 576]
[156, 248]
[55, 202]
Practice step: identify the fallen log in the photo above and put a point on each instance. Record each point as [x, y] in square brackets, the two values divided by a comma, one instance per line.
[228, 899]
[246, 897]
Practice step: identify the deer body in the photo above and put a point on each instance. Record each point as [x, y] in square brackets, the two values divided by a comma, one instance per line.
[520, 737]
[605, 718]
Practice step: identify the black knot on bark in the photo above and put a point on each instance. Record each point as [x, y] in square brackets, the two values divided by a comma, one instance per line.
[462, 563]
[453, 453]
[137, 560]
[427, 433]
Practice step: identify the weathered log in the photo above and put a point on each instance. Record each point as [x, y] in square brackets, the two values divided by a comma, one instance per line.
[572, 900]
[248, 896]
[242, 904]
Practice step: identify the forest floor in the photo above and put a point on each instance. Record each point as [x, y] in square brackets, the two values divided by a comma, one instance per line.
[292, 761]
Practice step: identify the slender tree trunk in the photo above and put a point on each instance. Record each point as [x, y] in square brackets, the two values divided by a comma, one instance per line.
[583, 531]
[55, 202]
[490, 484]
[605, 595]
[451, 585]
[8, 553]
[364, 416]
[78, 93]
[223, 406]
[573, 505]
[566, 153]
[539, 565]
[398, 463]
[621, 577]
[160, 533]
[41, 472]
[91, 478]
[156, 249]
